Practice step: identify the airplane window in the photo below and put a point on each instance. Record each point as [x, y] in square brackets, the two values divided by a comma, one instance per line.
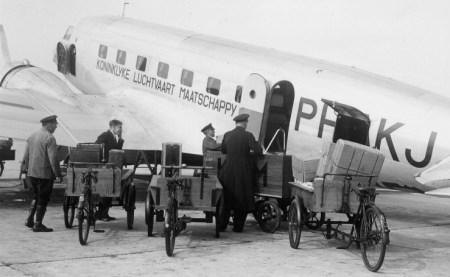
[141, 63]
[186, 77]
[213, 86]
[103, 51]
[238, 95]
[121, 57]
[163, 70]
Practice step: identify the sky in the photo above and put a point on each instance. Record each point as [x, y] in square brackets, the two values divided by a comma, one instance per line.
[406, 40]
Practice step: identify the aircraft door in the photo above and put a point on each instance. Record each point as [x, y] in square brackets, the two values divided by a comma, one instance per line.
[255, 92]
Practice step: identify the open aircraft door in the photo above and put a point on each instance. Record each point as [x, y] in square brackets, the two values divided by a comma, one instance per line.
[255, 92]
[351, 123]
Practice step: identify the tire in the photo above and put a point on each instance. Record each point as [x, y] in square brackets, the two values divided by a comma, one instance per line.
[149, 213]
[372, 238]
[314, 220]
[218, 215]
[269, 216]
[170, 231]
[85, 214]
[69, 207]
[131, 205]
[295, 223]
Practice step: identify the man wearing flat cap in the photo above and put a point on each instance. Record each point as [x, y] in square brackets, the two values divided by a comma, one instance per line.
[111, 139]
[209, 143]
[237, 176]
[40, 162]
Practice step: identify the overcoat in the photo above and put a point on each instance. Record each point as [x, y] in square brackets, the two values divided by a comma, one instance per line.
[41, 156]
[110, 142]
[238, 171]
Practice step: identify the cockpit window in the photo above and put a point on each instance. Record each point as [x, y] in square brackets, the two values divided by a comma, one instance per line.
[186, 77]
[121, 57]
[238, 95]
[68, 33]
[141, 63]
[213, 86]
[103, 51]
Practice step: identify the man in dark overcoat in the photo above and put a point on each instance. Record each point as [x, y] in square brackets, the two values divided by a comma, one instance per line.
[237, 176]
[112, 139]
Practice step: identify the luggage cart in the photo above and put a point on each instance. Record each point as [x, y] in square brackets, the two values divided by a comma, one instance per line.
[355, 198]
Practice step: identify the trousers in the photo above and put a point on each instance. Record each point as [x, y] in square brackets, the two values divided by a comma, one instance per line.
[42, 190]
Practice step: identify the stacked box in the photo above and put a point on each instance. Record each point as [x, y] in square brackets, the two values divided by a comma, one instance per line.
[304, 170]
[325, 160]
[355, 159]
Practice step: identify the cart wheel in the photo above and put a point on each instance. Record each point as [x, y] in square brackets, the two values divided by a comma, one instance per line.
[149, 213]
[295, 223]
[218, 215]
[269, 216]
[314, 220]
[372, 238]
[170, 227]
[69, 207]
[131, 201]
[85, 212]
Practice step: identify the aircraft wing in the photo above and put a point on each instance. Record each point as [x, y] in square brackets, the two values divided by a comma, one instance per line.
[436, 178]
[22, 109]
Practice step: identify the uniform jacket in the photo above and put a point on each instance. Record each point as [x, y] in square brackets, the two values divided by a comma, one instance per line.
[238, 174]
[210, 144]
[110, 142]
[40, 158]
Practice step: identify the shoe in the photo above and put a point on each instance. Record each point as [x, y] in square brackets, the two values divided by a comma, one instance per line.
[29, 223]
[30, 219]
[39, 227]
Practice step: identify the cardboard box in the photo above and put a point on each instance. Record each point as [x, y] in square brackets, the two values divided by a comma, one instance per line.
[304, 170]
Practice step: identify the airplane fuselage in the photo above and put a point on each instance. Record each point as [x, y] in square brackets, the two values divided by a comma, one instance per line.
[202, 79]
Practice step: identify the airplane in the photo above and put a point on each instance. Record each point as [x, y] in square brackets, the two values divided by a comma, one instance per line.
[165, 84]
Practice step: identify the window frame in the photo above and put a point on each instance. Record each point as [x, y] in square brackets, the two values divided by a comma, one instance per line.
[210, 82]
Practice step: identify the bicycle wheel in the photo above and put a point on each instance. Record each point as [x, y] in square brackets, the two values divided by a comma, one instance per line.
[69, 210]
[149, 213]
[269, 216]
[131, 201]
[84, 216]
[314, 220]
[170, 230]
[372, 238]
[295, 223]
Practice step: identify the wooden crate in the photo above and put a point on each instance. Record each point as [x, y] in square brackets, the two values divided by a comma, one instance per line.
[329, 196]
[189, 196]
[108, 185]
[274, 172]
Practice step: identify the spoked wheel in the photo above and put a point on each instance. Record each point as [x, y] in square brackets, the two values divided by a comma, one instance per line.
[170, 228]
[258, 204]
[295, 223]
[314, 220]
[69, 206]
[131, 205]
[149, 213]
[85, 214]
[372, 238]
[218, 215]
[269, 216]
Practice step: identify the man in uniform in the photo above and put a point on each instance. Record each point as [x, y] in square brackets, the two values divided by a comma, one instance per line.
[237, 176]
[42, 167]
[209, 143]
[112, 139]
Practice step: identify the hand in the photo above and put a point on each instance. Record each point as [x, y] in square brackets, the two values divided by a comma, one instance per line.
[59, 179]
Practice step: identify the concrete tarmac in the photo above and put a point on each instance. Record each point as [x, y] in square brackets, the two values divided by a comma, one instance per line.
[420, 246]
